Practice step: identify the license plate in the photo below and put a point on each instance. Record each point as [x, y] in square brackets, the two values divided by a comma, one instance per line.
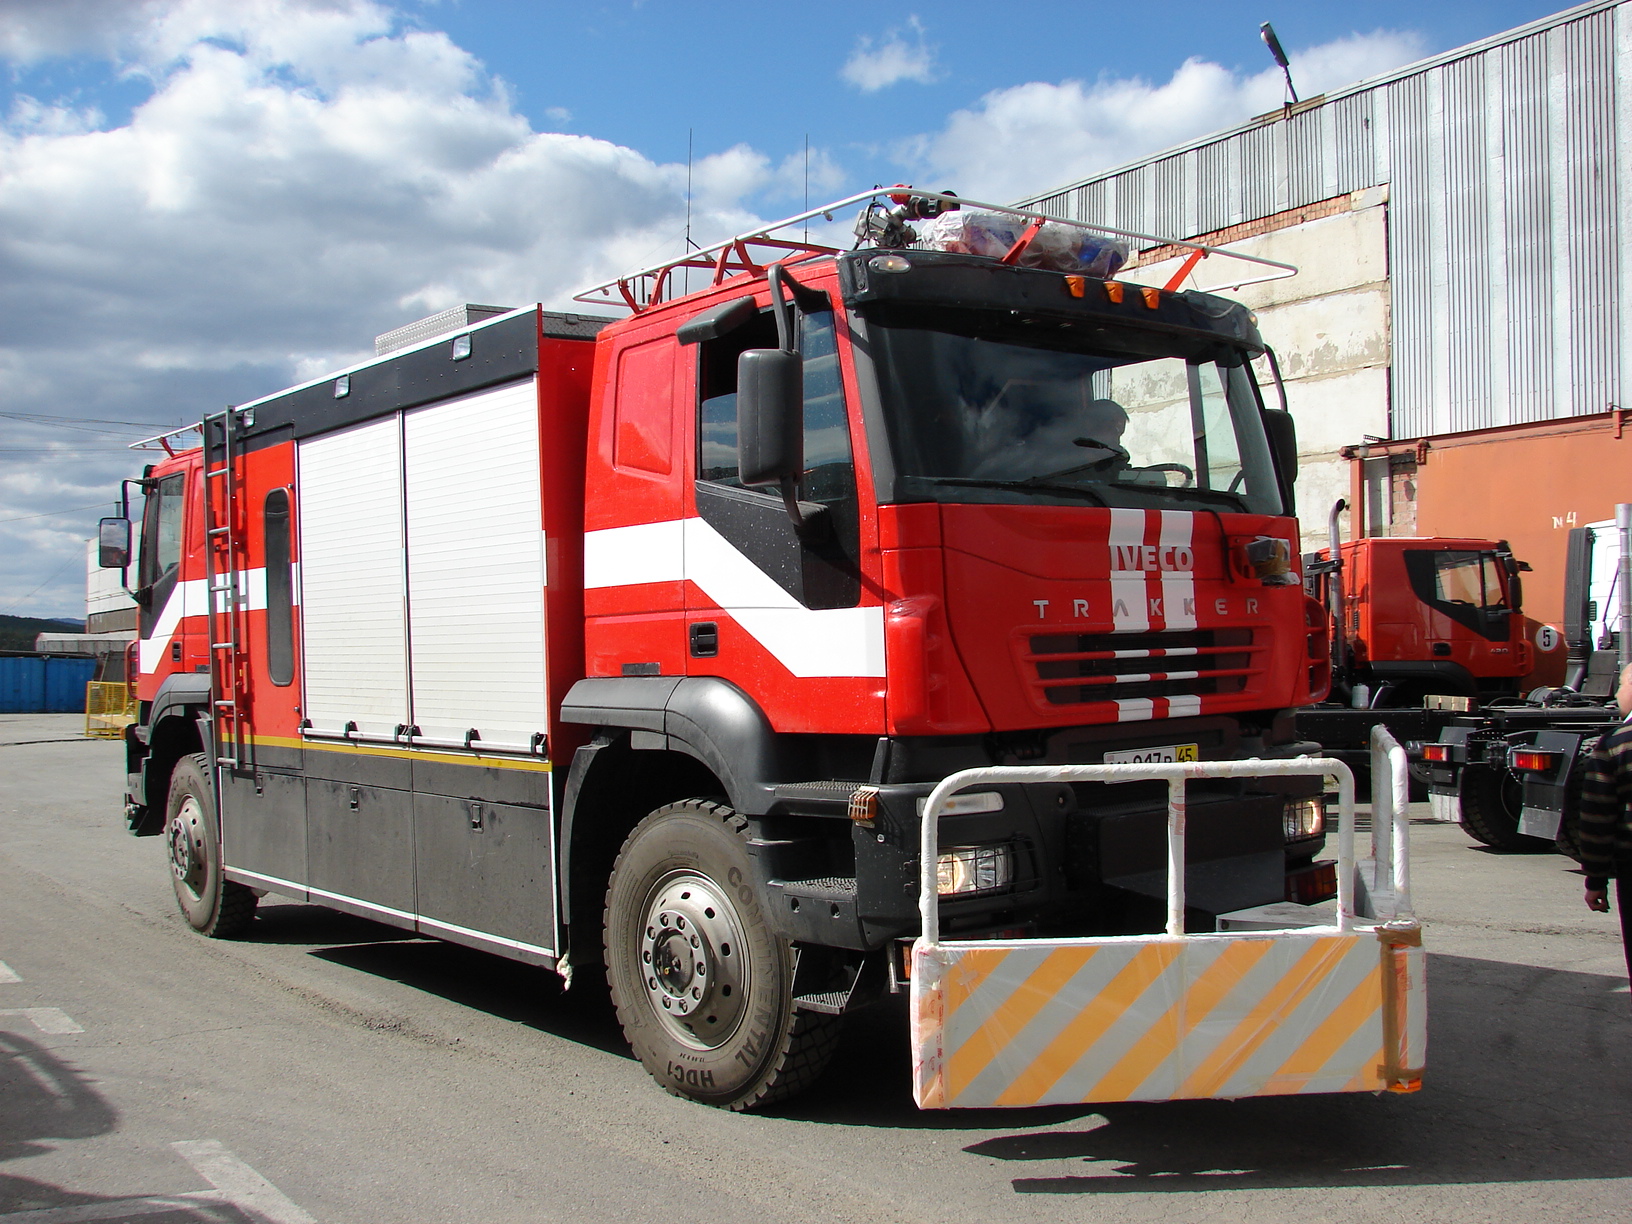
[1151, 756]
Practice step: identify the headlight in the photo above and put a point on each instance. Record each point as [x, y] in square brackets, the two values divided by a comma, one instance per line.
[974, 869]
[1305, 818]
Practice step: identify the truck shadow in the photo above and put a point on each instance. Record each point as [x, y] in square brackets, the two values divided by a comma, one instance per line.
[506, 989]
[1517, 1057]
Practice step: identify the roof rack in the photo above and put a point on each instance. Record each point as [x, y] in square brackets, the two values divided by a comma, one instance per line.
[162, 441]
[652, 286]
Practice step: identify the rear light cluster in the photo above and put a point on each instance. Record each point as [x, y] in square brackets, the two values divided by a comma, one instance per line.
[1533, 759]
[1312, 884]
[1436, 752]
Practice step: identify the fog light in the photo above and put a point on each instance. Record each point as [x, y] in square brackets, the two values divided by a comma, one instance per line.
[974, 869]
[963, 805]
[1304, 818]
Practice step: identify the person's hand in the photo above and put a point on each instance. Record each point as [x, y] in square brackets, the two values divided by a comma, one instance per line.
[1598, 900]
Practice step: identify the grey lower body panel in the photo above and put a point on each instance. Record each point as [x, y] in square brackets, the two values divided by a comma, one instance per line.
[352, 831]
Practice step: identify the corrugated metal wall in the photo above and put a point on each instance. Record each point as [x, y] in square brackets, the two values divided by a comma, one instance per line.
[1509, 170]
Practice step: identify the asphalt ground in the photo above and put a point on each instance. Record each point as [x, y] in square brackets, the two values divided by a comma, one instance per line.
[331, 1070]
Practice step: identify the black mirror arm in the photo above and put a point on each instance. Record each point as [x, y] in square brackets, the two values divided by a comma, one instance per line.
[810, 519]
[787, 336]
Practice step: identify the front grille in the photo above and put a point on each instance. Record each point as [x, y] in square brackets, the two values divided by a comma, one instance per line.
[1089, 668]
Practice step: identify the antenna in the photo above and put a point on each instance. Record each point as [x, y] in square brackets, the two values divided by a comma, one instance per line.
[690, 245]
[1267, 33]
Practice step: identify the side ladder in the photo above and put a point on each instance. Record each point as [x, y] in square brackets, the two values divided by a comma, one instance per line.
[225, 563]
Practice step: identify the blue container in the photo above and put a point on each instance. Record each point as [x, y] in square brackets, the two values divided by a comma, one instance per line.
[44, 685]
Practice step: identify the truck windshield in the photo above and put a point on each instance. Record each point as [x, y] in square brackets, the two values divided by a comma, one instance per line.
[973, 418]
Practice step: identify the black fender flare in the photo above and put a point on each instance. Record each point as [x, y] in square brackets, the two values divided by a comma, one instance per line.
[183, 695]
[704, 717]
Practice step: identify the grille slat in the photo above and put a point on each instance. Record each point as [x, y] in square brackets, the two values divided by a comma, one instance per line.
[1102, 669]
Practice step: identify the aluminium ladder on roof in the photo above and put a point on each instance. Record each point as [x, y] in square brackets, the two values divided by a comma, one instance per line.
[225, 568]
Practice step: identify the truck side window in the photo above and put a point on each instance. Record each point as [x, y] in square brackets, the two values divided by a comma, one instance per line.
[280, 601]
[822, 571]
[1462, 584]
[161, 530]
[717, 390]
[829, 475]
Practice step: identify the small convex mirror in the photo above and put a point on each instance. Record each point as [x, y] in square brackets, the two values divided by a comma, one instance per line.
[113, 543]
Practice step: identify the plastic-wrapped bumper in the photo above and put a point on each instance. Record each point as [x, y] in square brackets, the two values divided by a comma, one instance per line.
[1018, 1022]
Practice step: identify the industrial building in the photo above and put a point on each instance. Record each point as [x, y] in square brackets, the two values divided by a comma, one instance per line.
[1457, 343]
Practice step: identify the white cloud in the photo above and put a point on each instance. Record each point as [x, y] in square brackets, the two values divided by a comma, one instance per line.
[303, 176]
[895, 58]
[1027, 139]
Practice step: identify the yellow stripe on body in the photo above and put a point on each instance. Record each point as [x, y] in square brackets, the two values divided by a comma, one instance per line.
[1163, 1039]
[1279, 1001]
[1116, 998]
[1040, 987]
[415, 754]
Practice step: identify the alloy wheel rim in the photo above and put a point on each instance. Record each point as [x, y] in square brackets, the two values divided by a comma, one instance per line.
[693, 960]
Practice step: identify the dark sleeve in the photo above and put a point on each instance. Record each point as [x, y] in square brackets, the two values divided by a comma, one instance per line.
[1600, 807]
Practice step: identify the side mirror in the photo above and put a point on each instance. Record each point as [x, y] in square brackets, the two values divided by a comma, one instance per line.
[770, 416]
[113, 543]
[1283, 442]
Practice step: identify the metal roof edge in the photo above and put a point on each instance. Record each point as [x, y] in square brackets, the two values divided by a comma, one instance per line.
[1385, 78]
[380, 359]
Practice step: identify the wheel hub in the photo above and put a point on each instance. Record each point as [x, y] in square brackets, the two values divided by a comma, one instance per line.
[693, 960]
[187, 846]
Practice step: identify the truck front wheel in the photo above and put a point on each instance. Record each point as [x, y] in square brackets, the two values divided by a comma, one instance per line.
[1492, 800]
[212, 904]
[702, 984]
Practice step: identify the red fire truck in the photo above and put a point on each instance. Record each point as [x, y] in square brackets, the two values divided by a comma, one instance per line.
[643, 642]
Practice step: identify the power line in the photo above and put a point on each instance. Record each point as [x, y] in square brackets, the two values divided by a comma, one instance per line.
[54, 513]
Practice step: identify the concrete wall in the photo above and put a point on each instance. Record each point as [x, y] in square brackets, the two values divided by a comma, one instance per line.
[1329, 326]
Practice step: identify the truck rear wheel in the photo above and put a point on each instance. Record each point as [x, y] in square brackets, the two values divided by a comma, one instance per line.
[702, 984]
[1491, 802]
[212, 904]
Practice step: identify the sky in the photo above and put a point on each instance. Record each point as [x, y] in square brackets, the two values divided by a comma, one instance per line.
[205, 201]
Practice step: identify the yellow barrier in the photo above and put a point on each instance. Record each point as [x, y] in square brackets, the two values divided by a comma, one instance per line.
[109, 709]
[1160, 1017]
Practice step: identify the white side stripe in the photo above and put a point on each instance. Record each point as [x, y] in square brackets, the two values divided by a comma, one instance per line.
[187, 599]
[628, 556]
[827, 642]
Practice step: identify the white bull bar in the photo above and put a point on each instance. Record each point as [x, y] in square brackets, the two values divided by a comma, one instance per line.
[1338, 1007]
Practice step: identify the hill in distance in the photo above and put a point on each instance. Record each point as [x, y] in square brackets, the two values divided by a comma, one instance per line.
[19, 632]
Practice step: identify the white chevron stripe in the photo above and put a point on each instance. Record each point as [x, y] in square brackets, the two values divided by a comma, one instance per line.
[809, 643]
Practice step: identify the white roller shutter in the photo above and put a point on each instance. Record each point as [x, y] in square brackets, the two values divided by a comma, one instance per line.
[352, 618]
[476, 566]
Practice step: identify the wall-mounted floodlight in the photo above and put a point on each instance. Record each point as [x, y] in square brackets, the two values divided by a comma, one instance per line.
[1267, 32]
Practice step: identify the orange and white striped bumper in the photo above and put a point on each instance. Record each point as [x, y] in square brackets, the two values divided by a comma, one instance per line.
[1157, 1018]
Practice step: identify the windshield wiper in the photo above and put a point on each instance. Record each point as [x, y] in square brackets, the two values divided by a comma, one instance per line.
[1028, 484]
[1181, 491]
